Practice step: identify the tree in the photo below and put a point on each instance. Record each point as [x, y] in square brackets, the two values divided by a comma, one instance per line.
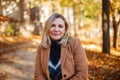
[25, 13]
[115, 7]
[105, 26]
[0, 6]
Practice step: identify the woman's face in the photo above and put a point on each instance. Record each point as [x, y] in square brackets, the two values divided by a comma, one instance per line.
[57, 29]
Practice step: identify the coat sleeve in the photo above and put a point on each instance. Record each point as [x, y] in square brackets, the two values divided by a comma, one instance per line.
[81, 62]
[38, 75]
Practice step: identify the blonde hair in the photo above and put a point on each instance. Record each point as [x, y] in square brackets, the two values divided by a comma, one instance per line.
[45, 36]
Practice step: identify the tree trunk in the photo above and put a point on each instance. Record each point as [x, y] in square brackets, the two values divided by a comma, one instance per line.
[34, 14]
[81, 15]
[105, 26]
[76, 19]
[0, 6]
[115, 27]
[25, 13]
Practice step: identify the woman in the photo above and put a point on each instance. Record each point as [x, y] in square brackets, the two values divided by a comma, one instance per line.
[59, 56]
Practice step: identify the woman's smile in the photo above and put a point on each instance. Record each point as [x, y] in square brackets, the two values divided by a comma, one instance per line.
[55, 34]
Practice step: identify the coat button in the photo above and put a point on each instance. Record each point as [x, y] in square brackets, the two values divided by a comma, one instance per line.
[64, 75]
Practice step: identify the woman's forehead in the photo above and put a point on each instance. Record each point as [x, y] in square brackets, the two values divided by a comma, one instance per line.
[58, 20]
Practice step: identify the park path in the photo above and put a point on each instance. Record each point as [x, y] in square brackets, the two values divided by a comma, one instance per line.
[18, 65]
[18, 62]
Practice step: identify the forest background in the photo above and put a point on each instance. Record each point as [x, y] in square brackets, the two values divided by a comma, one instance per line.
[95, 22]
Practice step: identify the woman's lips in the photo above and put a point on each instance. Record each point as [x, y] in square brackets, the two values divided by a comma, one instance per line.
[55, 34]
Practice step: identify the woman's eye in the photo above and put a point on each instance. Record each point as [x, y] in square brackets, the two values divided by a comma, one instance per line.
[53, 25]
[60, 26]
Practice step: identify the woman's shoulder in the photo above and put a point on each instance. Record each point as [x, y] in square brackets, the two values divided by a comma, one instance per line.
[73, 39]
[39, 46]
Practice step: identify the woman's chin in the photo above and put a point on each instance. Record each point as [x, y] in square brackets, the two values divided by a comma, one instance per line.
[55, 38]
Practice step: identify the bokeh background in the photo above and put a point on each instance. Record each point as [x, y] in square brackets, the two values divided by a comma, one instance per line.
[95, 22]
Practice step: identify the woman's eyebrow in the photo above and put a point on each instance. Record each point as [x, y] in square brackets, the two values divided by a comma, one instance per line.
[52, 24]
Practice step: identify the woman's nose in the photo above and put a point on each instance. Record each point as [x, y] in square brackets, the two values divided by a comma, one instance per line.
[56, 28]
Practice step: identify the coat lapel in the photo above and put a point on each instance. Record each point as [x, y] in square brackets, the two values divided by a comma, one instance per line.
[46, 59]
[63, 54]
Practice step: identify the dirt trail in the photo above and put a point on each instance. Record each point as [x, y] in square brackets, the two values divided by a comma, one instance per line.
[17, 57]
[18, 65]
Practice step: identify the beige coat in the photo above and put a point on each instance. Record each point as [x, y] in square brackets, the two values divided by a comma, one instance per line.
[74, 62]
